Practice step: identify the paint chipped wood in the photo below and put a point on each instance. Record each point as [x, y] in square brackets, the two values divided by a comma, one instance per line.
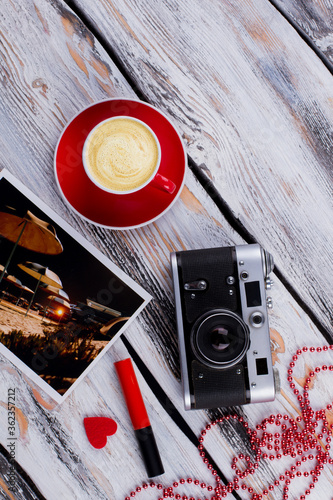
[255, 110]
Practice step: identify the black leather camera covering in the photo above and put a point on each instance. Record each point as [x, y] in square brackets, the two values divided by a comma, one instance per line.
[213, 386]
[214, 266]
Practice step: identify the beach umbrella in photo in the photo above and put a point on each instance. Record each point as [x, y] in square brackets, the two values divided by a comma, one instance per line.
[102, 308]
[2, 268]
[60, 301]
[12, 280]
[18, 284]
[55, 292]
[28, 232]
[3, 272]
[42, 274]
[24, 289]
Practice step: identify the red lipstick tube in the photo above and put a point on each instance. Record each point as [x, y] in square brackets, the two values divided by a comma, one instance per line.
[139, 417]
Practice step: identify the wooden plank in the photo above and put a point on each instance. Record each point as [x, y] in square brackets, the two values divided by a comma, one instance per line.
[33, 115]
[52, 438]
[315, 19]
[254, 105]
[288, 333]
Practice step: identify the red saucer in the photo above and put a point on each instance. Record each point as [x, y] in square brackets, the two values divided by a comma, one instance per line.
[112, 210]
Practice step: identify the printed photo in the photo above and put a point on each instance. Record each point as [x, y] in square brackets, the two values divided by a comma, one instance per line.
[62, 302]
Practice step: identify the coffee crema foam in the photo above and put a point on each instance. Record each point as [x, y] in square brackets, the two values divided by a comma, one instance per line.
[121, 154]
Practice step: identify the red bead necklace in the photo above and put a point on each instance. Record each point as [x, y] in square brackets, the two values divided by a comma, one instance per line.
[308, 444]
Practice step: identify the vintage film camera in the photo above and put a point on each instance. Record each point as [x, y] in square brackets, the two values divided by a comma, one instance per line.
[222, 323]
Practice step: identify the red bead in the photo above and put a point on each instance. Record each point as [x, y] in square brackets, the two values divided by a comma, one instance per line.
[290, 441]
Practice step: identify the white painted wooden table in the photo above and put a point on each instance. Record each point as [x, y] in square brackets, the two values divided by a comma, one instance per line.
[249, 86]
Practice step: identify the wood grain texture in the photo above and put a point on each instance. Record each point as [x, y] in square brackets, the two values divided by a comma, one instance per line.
[254, 105]
[315, 18]
[54, 436]
[289, 330]
[52, 68]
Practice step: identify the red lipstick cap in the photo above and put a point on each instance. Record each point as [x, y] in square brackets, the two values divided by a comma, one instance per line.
[132, 394]
[139, 417]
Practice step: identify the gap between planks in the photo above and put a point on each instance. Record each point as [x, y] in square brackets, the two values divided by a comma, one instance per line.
[197, 170]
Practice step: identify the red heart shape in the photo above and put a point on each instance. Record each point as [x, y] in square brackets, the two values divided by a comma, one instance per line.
[98, 429]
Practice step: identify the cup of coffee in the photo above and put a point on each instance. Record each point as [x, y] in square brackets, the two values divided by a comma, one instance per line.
[122, 155]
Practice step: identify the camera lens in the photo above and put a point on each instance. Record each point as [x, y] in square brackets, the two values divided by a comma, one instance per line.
[220, 338]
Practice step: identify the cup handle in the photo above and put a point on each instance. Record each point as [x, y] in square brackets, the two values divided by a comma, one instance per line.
[161, 182]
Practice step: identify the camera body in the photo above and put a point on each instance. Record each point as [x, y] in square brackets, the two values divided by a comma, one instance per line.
[222, 323]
